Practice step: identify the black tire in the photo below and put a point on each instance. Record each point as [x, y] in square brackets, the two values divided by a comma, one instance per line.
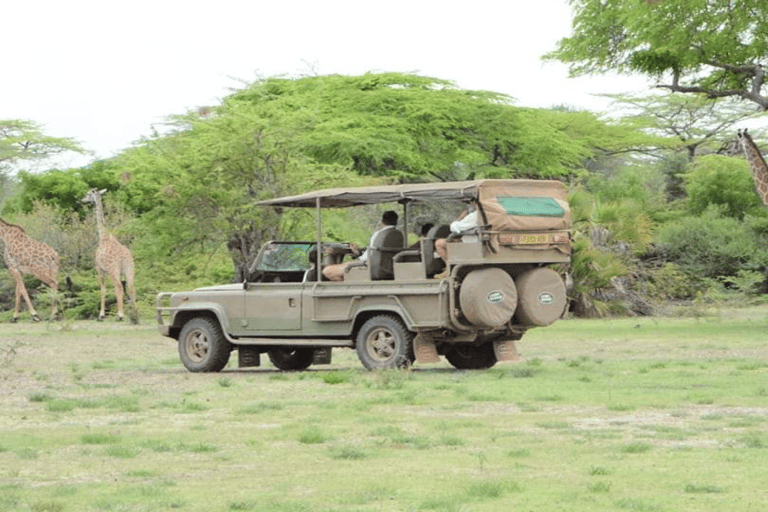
[384, 342]
[291, 359]
[464, 356]
[202, 346]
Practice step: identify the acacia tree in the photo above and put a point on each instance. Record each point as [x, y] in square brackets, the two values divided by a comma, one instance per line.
[713, 47]
[687, 123]
[23, 140]
[281, 136]
[408, 127]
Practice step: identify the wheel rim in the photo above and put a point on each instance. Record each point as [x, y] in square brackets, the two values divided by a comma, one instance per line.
[197, 345]
[381, 344]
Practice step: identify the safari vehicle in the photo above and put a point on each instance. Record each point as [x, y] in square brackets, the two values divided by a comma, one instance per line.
[499, 282]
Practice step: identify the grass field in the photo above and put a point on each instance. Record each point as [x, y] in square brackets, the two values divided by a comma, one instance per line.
[649, 414]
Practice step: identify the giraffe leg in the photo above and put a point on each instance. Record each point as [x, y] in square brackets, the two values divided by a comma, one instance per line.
[52, 282]
[129, 272]
[118, 295]
[132, 298]
[54, 300]
[55, 303]
[17, 305]
[21, 291]
[103, 283]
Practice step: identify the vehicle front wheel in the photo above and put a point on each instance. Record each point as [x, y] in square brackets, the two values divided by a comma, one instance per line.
[291, 359]
[384, 342]
[202, 346]
[471, 357]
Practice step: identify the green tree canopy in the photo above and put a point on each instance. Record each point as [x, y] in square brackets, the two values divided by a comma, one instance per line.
[23, 140]
[714, 47]
[63, 188]
[723, 181]
[277, 136]
[688, 123]
[412, 127]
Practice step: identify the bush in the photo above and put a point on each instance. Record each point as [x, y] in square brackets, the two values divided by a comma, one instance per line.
[723, 181]
[671, 282]
[714, 245]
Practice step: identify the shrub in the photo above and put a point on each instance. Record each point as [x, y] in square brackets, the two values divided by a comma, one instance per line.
[714, 245]
[725, 182]
[313, 435]
[669, 282]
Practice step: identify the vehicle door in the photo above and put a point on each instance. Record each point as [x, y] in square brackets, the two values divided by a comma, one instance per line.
[273, 297]
[273, 306]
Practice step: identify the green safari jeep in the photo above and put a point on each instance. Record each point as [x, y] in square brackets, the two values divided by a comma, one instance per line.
[498, 281]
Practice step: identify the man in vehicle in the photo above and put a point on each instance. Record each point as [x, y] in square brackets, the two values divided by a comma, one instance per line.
[468, 219]
[424, 232]
[336, 272]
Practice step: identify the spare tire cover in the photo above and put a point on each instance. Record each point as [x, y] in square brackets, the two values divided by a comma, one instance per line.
[541, 297]
[488, 297]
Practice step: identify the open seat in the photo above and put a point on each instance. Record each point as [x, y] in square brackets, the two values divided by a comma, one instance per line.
[383, 248]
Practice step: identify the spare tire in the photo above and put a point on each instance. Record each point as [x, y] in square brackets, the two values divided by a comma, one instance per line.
[541, 297]
[488, 297]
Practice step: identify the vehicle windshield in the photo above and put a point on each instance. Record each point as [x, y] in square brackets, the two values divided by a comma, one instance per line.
[283, 256]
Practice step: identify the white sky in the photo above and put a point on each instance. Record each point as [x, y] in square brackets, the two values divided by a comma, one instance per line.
[102, 72]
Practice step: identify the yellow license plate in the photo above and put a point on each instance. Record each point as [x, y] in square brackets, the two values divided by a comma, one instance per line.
[529, 238]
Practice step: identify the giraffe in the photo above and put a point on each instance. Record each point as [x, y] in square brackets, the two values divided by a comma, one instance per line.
[113, 260]
[756, 163]
[25, 255]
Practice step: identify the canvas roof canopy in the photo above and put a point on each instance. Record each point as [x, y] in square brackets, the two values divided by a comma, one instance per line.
[439, 191]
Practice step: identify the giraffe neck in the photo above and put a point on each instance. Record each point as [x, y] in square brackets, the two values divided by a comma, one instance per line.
[8, 231]
[100, 226]
[758, 166]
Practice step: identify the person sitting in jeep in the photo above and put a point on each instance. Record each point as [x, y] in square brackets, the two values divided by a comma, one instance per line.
[468, 219]
[336, 272]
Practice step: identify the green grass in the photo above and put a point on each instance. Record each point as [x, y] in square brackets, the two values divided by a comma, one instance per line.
[601, 415]
[313, 435]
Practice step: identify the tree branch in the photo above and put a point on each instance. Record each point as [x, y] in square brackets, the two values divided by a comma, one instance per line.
[761, 101]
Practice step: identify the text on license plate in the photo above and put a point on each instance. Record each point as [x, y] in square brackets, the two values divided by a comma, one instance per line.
[534, 239]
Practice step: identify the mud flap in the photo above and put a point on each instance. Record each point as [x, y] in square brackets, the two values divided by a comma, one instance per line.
[322, 355]
[424, 349]
[248, 357]
[505, 350]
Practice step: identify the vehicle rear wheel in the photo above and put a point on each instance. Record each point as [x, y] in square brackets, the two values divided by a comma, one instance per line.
[384, 342]
[291, 359]
[464, 356]
[202, 346]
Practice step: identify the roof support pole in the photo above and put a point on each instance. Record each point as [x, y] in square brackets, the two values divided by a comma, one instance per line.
[319, 248]
[405, 223]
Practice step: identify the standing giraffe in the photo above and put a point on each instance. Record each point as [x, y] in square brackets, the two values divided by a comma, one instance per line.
[113, 260]
[25, 255]
[756, 163]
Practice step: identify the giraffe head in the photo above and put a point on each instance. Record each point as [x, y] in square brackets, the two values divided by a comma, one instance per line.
[741, 138]
[93, 195]
[746, 146]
